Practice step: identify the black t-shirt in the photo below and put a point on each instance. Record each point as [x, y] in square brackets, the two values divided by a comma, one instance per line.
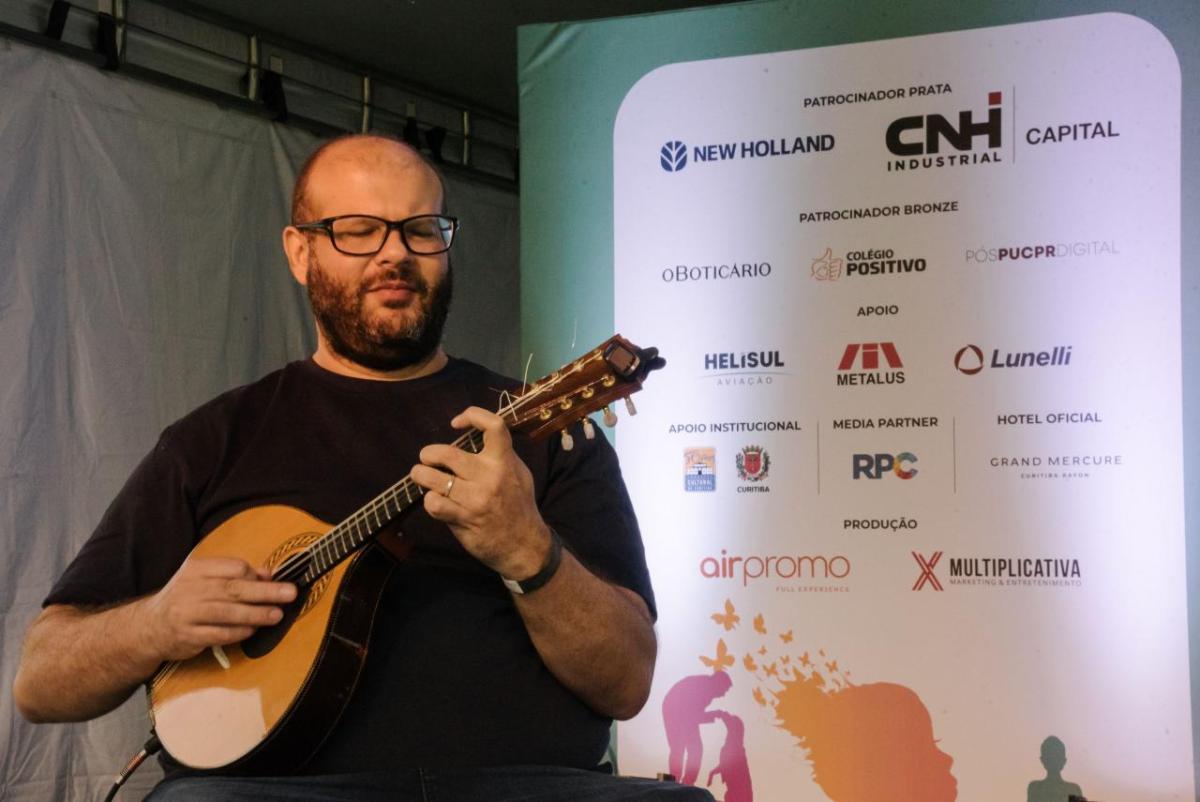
[451, 678]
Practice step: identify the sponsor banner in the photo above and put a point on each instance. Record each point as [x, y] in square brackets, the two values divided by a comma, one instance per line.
[920, 301]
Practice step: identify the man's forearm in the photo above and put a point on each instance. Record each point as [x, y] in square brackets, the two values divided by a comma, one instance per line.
[595, 637]
[80, 663]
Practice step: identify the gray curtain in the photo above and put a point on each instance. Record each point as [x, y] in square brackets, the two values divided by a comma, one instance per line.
[140, 275]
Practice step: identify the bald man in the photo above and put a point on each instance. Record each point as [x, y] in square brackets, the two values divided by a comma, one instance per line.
[470, 685]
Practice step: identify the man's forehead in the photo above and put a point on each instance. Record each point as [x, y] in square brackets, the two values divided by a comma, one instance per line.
[347, 162]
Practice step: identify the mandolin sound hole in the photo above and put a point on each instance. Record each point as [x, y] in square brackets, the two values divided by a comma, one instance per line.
[265, 639]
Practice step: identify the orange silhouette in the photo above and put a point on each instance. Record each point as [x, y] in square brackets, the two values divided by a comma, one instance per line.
[866, 742]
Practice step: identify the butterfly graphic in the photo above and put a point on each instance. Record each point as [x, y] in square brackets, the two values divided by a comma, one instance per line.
[758, 697]
[729, 619]
[759, 626]
[722, 660]
[786, 637]
[748, 662]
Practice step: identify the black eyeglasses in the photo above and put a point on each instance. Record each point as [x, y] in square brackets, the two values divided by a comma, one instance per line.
[364, 234]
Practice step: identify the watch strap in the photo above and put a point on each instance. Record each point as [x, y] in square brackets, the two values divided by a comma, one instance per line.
[544, 575]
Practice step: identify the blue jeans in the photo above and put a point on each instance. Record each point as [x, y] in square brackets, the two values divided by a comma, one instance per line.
[493, 784]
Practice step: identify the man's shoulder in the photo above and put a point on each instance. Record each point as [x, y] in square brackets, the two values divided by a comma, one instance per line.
[232, 404]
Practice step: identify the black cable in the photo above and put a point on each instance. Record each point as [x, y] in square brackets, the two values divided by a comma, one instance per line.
[151, 746]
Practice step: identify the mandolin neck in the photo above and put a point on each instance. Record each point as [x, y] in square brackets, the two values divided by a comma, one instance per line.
[309, 565]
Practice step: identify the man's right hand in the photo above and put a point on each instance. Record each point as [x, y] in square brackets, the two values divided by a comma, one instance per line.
[79, 662]
[212, 601]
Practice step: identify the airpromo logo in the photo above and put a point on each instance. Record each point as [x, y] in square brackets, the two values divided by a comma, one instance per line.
[699, 470]
[752, 567]
[860, 365]
[969, 359]
[876, 466]
[674, 155]
[753, 465]
[922, 138]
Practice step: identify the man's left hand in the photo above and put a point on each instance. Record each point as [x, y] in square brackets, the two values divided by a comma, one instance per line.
[486, 498]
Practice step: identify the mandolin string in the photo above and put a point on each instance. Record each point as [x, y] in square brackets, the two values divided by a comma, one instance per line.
[298, 569]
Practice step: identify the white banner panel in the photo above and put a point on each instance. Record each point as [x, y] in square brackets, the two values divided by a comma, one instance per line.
[912, 481]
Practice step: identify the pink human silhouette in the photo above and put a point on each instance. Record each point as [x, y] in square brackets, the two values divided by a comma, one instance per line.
[685, 708]
[731, 763]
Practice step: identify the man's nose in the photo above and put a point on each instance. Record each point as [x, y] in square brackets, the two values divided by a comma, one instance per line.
[393, 248]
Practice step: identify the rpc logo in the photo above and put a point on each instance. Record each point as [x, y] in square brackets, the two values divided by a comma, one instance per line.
[874, 466]
[673, 156]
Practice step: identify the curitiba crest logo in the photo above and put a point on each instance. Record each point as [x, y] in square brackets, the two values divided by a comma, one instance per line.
[673, 156]
[753, 462]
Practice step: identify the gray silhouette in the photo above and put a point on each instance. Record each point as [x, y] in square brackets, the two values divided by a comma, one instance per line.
[1054, 788]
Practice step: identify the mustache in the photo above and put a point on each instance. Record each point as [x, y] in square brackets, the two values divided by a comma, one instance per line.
[403, 277]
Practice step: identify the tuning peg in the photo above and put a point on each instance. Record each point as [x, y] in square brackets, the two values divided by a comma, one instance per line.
[629, 406]
[568, 442]
[589, 431]
[610, 418]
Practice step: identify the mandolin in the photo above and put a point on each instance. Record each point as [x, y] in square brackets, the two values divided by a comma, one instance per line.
[267, 703]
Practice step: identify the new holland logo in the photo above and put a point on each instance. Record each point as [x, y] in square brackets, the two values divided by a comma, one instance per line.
[753, 463]
[673, 156]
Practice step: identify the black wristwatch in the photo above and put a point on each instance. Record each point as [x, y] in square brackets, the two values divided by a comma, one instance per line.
[544, 575]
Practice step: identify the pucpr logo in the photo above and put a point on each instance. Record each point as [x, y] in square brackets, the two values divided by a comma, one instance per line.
[674, 155]
[744, 368]
[753, 465]
[924, 147]
[927, 577]
[868, 262]
[969, 359]
[1061, 572]
[1022, 252]
[699, 470]
[865, 356]
[876, 466]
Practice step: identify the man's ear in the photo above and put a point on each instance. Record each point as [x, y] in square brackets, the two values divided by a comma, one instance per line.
[296, 247]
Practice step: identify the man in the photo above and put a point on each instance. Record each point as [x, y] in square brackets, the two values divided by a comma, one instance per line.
[468, 688]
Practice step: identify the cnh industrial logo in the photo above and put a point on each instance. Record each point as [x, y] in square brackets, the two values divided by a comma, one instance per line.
[921, 138]
[860, 365]
[876, 466]
[674, 155]
[969, 359]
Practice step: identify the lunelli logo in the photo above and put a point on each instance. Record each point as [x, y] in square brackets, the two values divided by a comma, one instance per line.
[927, 576]
[860, 365]
[753, 464]
[921, 137]
[969, 360]
[699, 470]
[827, 267]
[673, 156]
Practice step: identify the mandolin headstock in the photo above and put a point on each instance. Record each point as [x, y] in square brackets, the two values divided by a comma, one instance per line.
[612, 371]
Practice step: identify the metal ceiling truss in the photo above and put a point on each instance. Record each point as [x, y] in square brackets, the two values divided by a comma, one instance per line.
[189, 49]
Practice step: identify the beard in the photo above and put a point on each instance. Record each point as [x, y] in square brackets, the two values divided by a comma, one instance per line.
[381, 344]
